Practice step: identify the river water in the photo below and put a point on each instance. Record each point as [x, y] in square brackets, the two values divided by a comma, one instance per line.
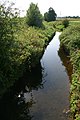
[45, 95]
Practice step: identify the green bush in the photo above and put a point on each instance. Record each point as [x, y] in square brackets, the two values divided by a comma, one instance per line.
[71, 40]
[65, 22]
[8, 27]
[19, 50]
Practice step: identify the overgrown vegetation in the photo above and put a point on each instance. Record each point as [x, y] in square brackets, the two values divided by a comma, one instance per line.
[60, 25]
[8, 27]
[21, 46]
[70, 39]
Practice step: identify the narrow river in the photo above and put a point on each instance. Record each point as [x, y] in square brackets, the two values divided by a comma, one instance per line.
[53, 99]
[46, 99]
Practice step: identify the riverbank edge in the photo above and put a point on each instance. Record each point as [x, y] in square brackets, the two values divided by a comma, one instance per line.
[25, 69]
[75, 84]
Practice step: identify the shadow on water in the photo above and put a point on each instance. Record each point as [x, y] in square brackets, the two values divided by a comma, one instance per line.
[13, 105]
[65, 61]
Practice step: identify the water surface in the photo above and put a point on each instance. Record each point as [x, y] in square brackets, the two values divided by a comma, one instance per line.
[53, 99]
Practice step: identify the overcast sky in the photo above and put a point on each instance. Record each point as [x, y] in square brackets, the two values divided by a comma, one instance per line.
[61, 7]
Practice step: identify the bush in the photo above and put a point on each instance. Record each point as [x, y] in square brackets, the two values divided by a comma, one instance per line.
[19, 50]
[8, 22]
[70, 38]
[65, 22]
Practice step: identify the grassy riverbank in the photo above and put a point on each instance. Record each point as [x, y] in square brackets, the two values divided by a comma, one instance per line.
[23, 51]
[70, 39]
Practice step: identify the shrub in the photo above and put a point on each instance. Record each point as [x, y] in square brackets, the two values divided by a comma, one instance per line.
[65, 22]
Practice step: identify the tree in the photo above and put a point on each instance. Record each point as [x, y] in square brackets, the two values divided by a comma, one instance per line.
[34, 17]
[50, 15]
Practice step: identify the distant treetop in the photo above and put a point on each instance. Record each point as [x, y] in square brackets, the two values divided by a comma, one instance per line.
[50, 15]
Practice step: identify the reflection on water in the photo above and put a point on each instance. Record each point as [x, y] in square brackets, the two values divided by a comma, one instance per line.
[41, 95]
[15, 109]
[16, 103]
[53, 100]
[66, 62]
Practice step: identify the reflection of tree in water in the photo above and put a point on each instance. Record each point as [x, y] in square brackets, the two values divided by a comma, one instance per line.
[30, 81]
[65, 61]
[15, 108]
[16, 103]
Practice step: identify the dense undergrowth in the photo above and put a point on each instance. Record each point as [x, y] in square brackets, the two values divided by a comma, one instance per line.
[21, 48]
[70, 39]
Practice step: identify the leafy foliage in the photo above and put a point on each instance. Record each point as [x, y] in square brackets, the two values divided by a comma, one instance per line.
[34, 17]
[71, 39]
[19, 50]
[8, 24]
[65, 22]
[50, 15]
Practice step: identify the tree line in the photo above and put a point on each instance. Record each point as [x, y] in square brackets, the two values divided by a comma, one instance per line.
[35, 18]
